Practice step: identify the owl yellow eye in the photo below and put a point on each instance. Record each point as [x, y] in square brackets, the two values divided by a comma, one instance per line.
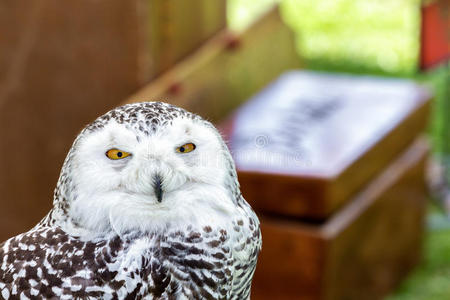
[117, 154]
[186, 148]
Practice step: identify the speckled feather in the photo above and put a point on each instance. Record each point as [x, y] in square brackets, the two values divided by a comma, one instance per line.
[186, 261]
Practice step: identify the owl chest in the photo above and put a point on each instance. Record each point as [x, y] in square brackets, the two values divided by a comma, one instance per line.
[194, 266]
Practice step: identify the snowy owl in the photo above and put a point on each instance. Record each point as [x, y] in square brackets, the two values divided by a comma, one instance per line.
[147, 206]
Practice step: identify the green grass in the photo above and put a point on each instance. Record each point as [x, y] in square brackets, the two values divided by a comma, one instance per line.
[431, 280]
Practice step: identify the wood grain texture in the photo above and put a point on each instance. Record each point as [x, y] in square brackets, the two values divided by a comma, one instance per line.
[362, 252]
[179, 27]
[227, 69]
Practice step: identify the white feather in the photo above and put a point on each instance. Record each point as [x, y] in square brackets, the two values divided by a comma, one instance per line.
[118, 195]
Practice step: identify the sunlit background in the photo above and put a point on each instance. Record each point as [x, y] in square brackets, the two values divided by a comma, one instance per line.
[357, 36]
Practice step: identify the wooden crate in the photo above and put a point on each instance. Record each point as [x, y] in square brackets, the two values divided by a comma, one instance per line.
[362, 252]
[325, 136]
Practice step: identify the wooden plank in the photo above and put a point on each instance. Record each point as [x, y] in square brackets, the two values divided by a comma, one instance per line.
[362, 252]
[372, 255]
[179, 27]
[226, 70]
[370, 163]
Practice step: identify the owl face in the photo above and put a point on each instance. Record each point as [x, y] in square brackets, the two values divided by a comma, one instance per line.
[133, 173]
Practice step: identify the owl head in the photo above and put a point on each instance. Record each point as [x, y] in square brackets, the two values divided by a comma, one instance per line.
[144, 167]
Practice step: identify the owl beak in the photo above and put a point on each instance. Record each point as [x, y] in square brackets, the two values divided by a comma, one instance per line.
[157, 182]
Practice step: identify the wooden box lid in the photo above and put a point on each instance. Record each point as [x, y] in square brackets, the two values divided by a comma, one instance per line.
[309, 141]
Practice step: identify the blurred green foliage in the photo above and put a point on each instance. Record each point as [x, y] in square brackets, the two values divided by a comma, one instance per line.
[359, 36]
[364, 36]
[438, 80]
[431, 280]
[380, 37]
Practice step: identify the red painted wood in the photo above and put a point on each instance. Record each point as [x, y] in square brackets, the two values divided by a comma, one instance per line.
[435, 35]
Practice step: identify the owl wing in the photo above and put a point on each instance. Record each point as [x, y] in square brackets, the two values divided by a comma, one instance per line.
[204, 263]
[247, 243]
[193, 263]
[48, 263]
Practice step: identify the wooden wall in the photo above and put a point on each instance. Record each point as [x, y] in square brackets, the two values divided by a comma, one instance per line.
[227, 70]
[178, 27]
[60, 65]
[64, 63]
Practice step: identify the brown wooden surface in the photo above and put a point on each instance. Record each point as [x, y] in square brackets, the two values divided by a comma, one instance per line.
[317, 196]
[178, 27]
[227, 69]
[362, 252]
[371, 162]
[61, 65]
